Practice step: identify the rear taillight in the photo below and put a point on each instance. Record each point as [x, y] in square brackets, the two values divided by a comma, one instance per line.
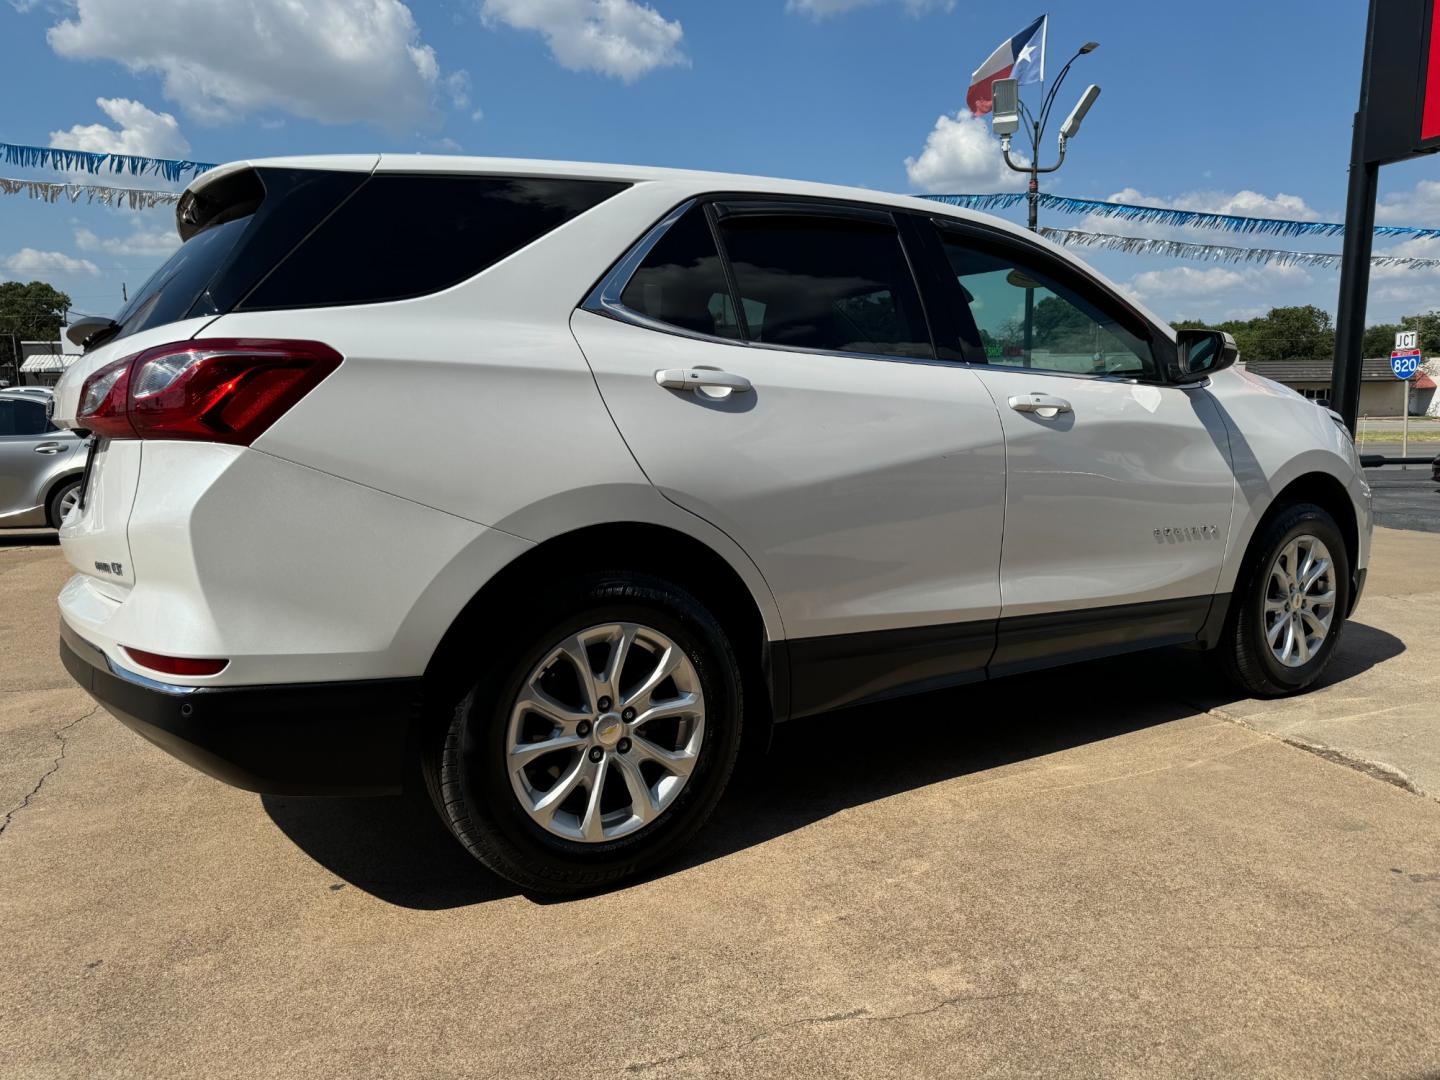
[225, 390]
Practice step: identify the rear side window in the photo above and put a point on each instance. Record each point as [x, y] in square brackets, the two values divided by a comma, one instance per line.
[682, 282]
[401, 236]
[22, 417]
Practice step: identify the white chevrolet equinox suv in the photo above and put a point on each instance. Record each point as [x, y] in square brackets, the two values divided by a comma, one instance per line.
[561, 477]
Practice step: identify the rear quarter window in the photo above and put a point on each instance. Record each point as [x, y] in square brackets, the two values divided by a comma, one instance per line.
[401, 236]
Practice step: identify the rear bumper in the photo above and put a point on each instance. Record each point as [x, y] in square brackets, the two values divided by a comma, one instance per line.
[343, 738]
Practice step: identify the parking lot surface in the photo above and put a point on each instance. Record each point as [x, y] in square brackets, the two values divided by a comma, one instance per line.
[1405, 498]
[1115, 869]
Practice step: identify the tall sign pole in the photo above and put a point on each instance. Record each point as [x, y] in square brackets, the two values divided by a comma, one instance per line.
[1398, 119]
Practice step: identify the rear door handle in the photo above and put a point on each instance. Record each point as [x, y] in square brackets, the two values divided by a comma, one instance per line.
[48, 447]
[696, 378]
[1043, 405]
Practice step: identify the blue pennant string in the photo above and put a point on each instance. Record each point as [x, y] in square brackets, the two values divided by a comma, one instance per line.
[49, 157]
[1167, 216]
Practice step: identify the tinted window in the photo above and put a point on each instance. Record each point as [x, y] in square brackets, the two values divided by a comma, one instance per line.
[1029, 319]
[400, 236]
[251, 220]
[681, 281]
[22, 417]
[168, 294]
[825, 283]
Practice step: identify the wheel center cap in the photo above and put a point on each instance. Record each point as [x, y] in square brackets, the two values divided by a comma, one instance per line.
[608, 729]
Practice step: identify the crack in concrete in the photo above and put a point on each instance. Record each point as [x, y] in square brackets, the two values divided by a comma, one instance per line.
[1376, 770]
[37, 689]
[863, 1016]
[51, 771]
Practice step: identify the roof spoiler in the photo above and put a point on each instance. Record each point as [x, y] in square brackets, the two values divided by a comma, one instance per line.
[219, 195]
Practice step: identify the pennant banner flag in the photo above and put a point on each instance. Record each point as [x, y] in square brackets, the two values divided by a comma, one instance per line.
[1161, 215]
[1180, 249]
[48, 157]
[134, 198]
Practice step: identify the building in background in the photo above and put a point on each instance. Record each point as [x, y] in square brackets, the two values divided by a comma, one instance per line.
[1381, 394]
[43, 362]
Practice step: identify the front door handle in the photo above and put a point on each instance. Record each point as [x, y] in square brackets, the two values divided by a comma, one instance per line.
[48, 447]
[701, 378]
[1045, 406]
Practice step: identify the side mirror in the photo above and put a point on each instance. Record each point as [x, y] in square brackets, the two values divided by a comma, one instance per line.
[1201, 353]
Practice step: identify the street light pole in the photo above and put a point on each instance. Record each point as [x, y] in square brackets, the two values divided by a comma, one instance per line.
[1037, 130]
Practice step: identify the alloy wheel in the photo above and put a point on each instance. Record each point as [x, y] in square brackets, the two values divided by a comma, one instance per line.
[605, 732]
[68, 502]
[1299, 600]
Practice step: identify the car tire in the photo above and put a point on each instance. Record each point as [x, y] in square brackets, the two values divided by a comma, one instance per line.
[490, 804]
[1260, 649]
[55, 506]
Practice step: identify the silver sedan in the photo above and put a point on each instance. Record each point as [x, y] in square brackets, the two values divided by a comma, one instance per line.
[40, 466]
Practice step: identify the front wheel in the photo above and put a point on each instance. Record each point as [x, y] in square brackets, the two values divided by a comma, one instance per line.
[1289, 604]
[597, 741]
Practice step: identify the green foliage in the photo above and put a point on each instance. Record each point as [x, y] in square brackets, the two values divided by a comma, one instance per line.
[1380, 339]
[33, 312]
[1306, 333]
[1285, 333]
[1429, 326]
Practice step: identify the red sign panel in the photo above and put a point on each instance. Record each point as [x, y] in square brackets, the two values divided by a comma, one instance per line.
[1430, 116]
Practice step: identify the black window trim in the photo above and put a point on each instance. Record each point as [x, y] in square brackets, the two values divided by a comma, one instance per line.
[604, 298]
[1077, 278]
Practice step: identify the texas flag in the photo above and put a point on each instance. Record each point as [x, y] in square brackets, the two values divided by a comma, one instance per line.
[1022, 58]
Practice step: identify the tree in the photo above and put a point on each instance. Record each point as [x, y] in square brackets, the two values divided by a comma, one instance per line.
[33, 312]
[1284, 333]
[1379, 339]
[1429, 326]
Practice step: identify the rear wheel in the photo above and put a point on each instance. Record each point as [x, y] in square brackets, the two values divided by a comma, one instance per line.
[62, 500]
[1289, 604]
[596, 741]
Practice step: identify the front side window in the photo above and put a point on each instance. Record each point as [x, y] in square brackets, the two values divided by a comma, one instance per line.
[825, 283]
[1027, 318]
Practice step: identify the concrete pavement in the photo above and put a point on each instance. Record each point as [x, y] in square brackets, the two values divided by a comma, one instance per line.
[1114, 869]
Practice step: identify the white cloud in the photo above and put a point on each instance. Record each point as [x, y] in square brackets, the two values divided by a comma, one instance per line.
[622, 38]
[142, 242]
[1185, 281]
[457, 85]
[1419, 206]
[336, 61]
[821, 9]
[1243, 203]
[1220, 292]
[961, 156]
[138, 130]
[29, 261]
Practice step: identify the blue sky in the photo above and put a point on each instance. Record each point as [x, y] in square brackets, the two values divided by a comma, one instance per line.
[1235, 106]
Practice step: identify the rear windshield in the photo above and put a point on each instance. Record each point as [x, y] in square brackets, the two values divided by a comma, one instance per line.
[305, 238]
[171, 291]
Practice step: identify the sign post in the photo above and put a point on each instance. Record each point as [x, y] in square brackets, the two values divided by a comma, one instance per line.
[1398, 119]
[1404, 363]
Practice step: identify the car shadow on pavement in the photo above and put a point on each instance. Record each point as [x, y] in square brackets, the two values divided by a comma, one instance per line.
[397, 850]
[10, 538]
